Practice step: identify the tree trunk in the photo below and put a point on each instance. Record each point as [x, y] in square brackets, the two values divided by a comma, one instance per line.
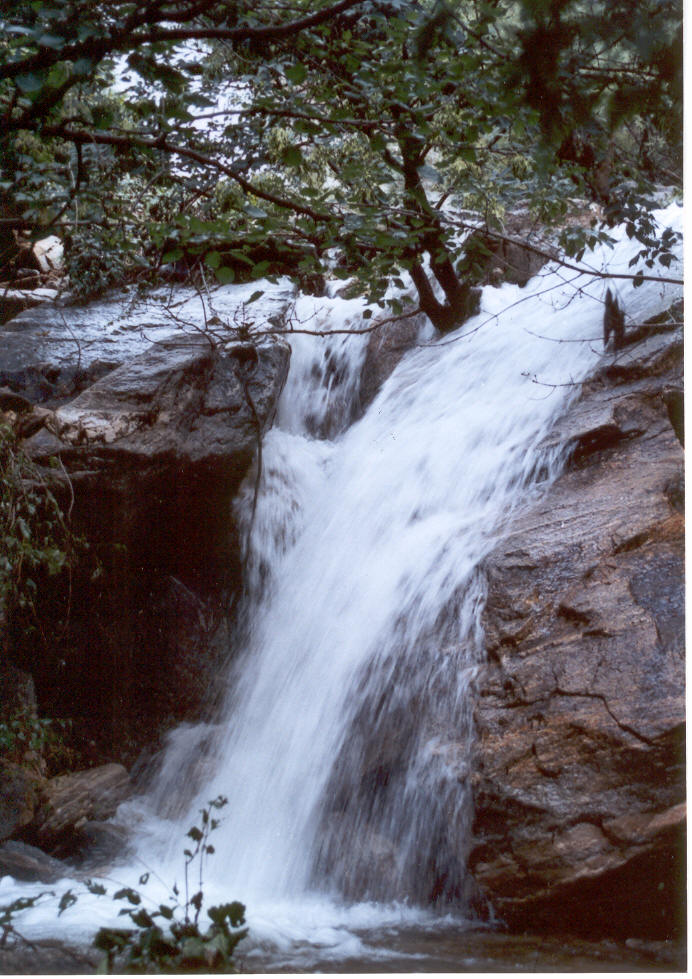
[461, 299]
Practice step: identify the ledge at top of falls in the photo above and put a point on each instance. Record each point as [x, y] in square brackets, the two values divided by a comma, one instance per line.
[54, 351]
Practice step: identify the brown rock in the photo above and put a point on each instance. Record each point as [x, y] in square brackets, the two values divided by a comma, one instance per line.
[580, 779]
[19, 796]
[68, 802]
[48, 254]
[25, 862]
[15, 301]
[151, 456]
[11, 401]
[385, 349]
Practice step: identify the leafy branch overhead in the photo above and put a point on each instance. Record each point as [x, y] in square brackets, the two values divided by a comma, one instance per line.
[264, 138]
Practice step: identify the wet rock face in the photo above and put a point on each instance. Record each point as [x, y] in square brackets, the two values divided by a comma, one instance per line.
[70, 803]
[385, 349]
[157, 449]
[579, 783]
[151, 456]
[19, 795]
[25, 862]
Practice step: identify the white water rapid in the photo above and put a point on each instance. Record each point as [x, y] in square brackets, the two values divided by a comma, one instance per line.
[343, 745]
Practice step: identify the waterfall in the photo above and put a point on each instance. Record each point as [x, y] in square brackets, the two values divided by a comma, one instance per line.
[344, 747]
[344, 742]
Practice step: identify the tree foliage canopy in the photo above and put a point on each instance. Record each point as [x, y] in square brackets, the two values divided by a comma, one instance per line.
[359, 136]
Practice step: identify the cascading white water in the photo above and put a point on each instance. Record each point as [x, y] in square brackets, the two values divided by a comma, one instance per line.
[344, 744]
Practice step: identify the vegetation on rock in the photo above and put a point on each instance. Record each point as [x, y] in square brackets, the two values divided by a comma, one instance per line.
[36, 538]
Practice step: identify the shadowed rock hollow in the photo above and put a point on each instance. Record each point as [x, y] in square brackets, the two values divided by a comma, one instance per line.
[149, 460]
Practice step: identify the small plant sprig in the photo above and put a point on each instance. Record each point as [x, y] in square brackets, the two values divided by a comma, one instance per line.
[183, 944]
[23, 732]
[179, 943]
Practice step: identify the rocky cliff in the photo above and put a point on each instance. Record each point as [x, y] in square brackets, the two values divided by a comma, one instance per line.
[580, 778]
[146, 460]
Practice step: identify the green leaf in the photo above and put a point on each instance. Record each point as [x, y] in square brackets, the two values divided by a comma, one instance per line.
[142, 919]
[83, 66]
[292, 156]
[224, 275]
[213, 260]
[378, 143]
[66, 901]
[128, 894]
[296, 73]
[58, 75]
[95, 888]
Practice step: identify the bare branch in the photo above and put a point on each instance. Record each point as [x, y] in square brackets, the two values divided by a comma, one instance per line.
[565, 263]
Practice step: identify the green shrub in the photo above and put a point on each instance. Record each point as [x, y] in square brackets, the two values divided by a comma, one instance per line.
[171, 938]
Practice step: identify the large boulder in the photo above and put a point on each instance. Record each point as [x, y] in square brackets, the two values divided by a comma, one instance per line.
[579, 783]
[386, 346]
[156, 450]
[68, 803]
[16, 301]
[25, 862]
[147, 461]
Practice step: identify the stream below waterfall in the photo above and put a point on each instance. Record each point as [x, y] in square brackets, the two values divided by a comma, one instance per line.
[344, 731]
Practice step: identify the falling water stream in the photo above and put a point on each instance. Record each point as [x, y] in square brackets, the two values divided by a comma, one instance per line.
[344, 741]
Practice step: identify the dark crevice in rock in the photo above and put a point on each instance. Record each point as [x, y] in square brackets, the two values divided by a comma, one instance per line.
[587, 447]
[545, 770]
[561, 692]
[572, 614]
[630, 543]
[675, 492]
[673, 398]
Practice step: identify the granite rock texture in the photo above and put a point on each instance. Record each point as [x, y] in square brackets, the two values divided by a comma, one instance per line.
[580, 777]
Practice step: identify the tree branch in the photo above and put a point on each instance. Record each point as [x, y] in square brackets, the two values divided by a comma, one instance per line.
[565, 263]
[132, 34]
[162, 144]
